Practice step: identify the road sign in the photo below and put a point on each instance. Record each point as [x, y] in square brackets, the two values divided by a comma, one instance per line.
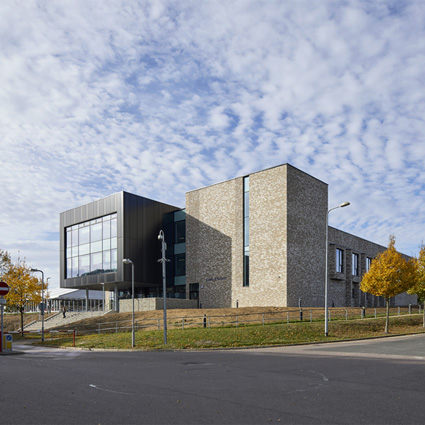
[42, 307]
[4, 288]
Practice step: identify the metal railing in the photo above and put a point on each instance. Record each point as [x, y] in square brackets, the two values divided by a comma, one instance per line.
[246, 319]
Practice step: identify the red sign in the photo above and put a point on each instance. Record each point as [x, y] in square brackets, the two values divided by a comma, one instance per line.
[4, 288]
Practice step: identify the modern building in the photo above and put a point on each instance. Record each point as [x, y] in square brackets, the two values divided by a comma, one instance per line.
[256, 240]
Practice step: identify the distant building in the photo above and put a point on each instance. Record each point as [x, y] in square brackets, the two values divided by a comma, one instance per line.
[74, 300]
[256, 240]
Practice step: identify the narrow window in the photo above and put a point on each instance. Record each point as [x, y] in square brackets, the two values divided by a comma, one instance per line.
[355, 271]
[246, 231]
[368, 263]
[339, 260]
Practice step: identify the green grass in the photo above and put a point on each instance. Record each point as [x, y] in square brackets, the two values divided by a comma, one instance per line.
[245, 336]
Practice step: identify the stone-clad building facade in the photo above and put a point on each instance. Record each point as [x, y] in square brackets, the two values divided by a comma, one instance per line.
[256, 240]
[286, 240]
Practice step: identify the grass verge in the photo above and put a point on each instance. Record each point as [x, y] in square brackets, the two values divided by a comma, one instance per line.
[245, 336]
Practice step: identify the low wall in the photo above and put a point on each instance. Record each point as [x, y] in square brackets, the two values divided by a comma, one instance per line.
[149, 304]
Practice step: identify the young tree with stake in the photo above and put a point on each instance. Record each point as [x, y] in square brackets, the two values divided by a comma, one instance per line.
[389, 275]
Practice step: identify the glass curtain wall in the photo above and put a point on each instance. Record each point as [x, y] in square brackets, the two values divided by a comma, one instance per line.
[91, 247]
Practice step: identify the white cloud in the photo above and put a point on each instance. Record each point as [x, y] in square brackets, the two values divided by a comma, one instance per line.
[144, 96]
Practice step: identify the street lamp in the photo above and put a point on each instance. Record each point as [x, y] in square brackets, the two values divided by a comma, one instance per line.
[344, 204]
[163, 260]
[42, 302]
[127, 261]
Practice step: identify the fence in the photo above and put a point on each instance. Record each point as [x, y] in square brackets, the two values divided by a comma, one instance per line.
[244, 319]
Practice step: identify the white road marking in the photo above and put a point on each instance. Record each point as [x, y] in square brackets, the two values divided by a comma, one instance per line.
[320, 374]
[109, 391]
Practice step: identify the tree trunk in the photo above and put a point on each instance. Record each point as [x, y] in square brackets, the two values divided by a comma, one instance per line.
[22, 321]
[387, 318]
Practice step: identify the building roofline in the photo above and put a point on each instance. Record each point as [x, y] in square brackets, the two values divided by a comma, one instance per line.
[286, 164]
[123, 192]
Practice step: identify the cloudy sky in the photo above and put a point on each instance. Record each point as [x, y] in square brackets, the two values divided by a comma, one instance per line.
[161, 97]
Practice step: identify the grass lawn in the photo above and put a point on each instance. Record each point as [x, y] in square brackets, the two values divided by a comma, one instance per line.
[244, 336]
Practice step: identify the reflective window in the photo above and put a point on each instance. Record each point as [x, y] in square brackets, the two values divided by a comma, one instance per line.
[355, 271]
[180, 229]
[368, 263]
[83, 249]
[96, 232]
[339, 260]
[180, 264]
[83, 235]
[92, 247]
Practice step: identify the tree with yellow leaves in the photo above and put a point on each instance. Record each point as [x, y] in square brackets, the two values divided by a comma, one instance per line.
[389, 275]
[419, 287]
[24, 289]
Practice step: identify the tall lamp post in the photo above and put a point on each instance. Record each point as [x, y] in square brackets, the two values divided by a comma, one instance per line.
[42, 301]
[163, 260]
[344, 204]
[127, 261]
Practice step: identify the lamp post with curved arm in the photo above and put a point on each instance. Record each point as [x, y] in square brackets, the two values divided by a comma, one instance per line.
[344, 204]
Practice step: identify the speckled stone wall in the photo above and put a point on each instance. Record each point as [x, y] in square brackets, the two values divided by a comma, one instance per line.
[307, 207]
[287, 208]
[267, 240]
[214, 242]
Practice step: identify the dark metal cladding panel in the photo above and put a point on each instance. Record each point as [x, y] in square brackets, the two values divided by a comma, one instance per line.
[139, 221]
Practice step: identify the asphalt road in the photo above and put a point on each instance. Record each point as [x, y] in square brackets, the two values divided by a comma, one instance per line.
[373, 382]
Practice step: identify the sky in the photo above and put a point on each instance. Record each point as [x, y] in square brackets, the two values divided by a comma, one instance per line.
[160, 97]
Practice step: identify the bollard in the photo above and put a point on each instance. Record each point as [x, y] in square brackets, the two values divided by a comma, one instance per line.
[301, 314]
[205, 320]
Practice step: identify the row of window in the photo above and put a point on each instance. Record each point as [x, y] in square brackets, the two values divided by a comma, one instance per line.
[355, 263]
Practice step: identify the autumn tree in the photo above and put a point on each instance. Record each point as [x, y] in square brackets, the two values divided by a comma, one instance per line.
[419, 287]
[389, 275]
[24, 289]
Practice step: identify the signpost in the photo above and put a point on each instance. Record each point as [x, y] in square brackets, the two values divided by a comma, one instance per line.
[4, 290]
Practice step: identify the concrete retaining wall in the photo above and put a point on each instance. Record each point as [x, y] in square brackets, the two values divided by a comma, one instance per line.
[149, 304]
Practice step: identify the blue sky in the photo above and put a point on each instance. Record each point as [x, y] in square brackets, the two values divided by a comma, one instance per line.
[161, 97]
